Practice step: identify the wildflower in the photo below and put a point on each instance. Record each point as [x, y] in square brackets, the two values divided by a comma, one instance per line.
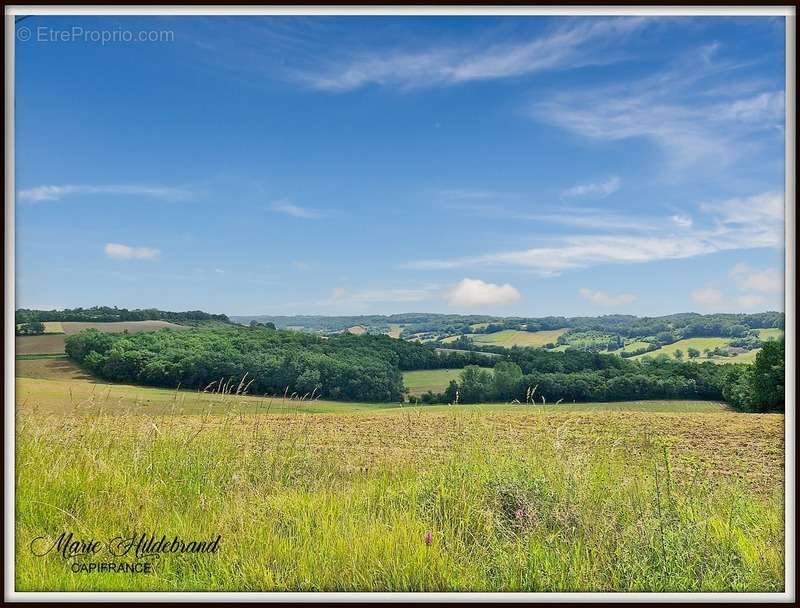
[519, 514]
[429, 538]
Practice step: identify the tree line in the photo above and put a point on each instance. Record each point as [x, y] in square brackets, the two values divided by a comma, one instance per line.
[108, 313]
[537, 376]
[528, 374]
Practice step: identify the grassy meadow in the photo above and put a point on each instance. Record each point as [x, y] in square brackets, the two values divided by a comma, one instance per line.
[711, 343]
[435, 380]
[330, 496]
[515, 337]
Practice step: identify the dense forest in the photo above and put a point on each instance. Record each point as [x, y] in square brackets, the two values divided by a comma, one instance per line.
[108, 313]
[346, 367]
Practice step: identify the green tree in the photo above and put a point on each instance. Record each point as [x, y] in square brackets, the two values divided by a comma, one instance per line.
[678, 354]
[505, 379]
[32, 328]
[693, 353]
[475, 385]
[768, 376]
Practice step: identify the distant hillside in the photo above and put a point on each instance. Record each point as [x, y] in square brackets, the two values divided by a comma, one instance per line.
[712, 337]
[688, 324]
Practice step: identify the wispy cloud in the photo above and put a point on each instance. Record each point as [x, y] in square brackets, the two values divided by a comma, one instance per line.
[574, 216]
[601, 298]
[126, 252]
[477, 293]
[55, 193]
[734, 224]
[289, 208]
[600, 189]
[670, 110]
[581, 42]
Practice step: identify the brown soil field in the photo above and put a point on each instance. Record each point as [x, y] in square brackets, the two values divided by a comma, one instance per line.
[49, 369]
[46, 344]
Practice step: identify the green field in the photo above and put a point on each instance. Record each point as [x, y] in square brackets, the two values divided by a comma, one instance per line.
[514, 337]
[770, 334]
[698, 343]
[632, 346]
[434, 380]
[711, 343]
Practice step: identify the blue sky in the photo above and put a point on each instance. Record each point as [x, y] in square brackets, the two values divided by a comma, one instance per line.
[307, 165]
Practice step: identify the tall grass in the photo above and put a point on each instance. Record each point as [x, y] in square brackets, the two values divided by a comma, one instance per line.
[533, 517]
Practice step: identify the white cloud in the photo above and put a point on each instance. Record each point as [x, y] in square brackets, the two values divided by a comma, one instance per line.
[765, 280]
[55, 193]
[682, 221]
[728, 231]
[474, 292]
[582, 42]
[126, 252]
[708, 297]
[581, 251]
[768, 207]
[293, 210]
[601, 189]
[601, 298]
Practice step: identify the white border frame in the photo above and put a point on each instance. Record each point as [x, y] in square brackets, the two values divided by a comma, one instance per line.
[788, 595]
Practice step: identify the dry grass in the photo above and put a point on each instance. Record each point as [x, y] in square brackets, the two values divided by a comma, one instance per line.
[46, 344]
[426, 499]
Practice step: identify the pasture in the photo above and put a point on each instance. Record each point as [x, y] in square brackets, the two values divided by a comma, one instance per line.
[632, 346]
[514, 337]
[684, 345]
[434, 380]
[770, 334]
[324, 496]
